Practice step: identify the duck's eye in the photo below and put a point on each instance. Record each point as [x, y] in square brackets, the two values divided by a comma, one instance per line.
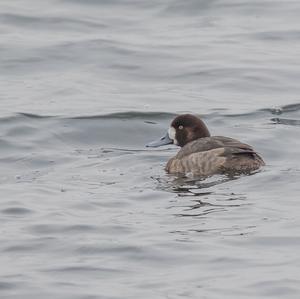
[180, 127]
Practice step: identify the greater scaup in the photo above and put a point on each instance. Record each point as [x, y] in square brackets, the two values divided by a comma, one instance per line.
[205, 155]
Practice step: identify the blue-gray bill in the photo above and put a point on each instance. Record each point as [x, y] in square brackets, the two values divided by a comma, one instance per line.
[162, 141]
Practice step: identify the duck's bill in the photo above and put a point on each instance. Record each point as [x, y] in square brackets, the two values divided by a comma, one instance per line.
[162, 141]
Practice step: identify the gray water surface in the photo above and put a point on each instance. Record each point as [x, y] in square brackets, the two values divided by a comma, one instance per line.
[86, 210]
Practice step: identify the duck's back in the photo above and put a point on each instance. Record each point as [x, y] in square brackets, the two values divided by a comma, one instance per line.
[217, 154]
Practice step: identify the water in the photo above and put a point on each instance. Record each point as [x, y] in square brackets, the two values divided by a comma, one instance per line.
[86, 210]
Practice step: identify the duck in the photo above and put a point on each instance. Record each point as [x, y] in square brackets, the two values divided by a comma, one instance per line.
[204, 155]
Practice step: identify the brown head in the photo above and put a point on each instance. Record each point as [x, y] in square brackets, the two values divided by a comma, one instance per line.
[184, 129]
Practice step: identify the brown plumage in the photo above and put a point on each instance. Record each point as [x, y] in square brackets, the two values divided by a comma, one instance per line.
[203, 155]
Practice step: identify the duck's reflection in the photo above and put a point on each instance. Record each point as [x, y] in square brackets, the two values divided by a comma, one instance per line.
[185, 186]
[204, 196]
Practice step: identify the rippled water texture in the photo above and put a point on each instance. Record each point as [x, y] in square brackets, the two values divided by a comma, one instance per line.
[86, 210]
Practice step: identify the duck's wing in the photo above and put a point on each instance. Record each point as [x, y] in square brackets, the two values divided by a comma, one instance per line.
[210, 143]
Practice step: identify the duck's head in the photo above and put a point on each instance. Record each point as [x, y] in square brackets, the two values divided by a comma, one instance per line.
[184, 129]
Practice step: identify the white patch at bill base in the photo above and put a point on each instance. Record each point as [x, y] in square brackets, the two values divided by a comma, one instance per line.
[172, 135]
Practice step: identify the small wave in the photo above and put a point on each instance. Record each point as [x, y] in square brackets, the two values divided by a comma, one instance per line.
[118, 115]
[273, 110]
[46, 22]
[285, 121]
[285, 109]
[16, 211]
[283, 35]
[149, 116]
[128, 115]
